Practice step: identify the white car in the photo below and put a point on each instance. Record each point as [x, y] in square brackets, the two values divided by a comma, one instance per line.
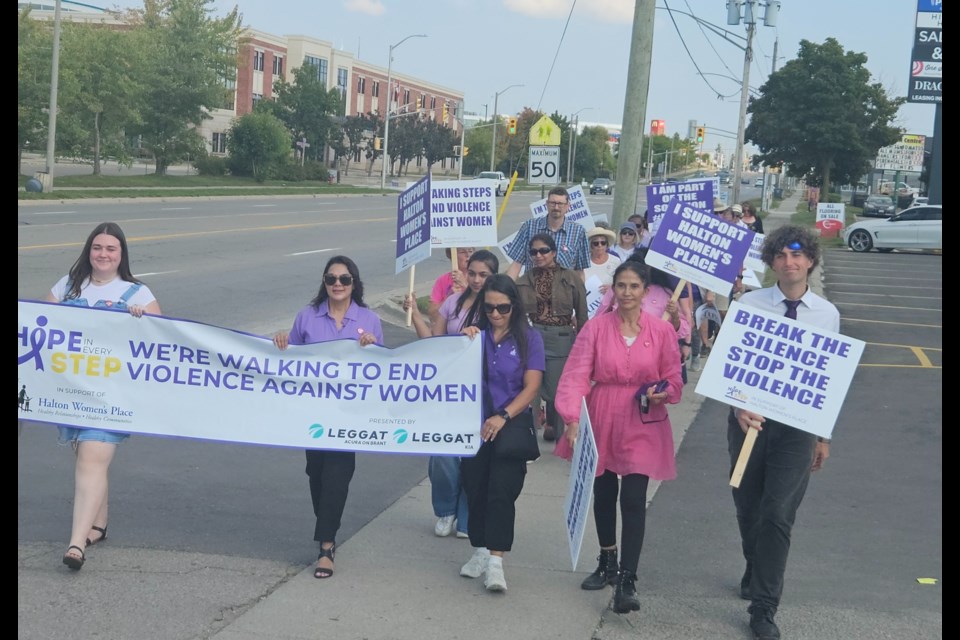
[913, 228]
[758, 182]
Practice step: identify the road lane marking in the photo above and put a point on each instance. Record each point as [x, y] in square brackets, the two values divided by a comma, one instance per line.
[197, 234]
[153, 273]
[903, 346]
[51, 213]
[886, 286]
[176, 209]
[889, 295]
[921, 356]
[306, 253]
[900, 366]
[884, 277]
[899, 324]
[884, 306]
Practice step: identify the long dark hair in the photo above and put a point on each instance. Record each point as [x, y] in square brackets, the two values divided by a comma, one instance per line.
[82, 269]
[486, 258]
[501, 283]
[356, 295]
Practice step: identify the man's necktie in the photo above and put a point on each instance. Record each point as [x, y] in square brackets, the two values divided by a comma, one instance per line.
[791, 308]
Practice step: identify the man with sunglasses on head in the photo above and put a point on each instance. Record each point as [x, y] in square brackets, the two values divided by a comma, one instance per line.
[573, 250]
[783, 457]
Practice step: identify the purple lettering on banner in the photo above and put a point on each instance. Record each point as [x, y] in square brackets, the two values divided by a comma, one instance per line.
[699, 246]
[696, 193]
[413, 224]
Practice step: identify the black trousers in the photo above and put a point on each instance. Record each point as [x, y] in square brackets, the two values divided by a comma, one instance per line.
[633, 505]
[770, 493]
[493, 486]
[330, 473]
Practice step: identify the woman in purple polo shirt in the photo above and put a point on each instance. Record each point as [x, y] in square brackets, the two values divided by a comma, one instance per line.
[512, 371]
[446, 486]
[336, 313]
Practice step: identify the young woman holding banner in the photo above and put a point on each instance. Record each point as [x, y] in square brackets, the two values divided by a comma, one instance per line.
[626, 364]
[99, 278]
[336, 313]
[447, 493]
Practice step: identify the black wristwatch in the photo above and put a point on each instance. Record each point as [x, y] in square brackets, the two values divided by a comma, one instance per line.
[505, 415]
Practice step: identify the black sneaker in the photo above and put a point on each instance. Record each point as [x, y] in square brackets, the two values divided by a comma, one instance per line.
[762, 624]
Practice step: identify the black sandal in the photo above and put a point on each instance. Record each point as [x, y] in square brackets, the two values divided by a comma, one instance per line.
[323, 572]
[73, 561]
[103, 535]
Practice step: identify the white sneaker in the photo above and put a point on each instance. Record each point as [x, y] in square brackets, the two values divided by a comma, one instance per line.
[463, 534]
[444, 526]
[695, 364]
[495, 580]
[477, 564]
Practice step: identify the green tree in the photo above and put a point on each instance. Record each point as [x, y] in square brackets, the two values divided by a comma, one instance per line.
[822, 116]
[594, 157]
[438, 141]
[477, 140]
[308, 108]
[190, 69]
[100, 89]
[354, 134]
[259, 144]
[34, 43]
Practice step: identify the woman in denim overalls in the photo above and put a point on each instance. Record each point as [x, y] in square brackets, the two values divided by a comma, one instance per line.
[99, 278]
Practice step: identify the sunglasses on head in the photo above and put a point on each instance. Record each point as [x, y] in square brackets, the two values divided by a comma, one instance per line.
[345, 279]
[542, 251]
[598, 243]
[502, 309]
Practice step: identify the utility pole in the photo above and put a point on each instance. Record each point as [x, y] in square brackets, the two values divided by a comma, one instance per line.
[52, 118]
[766, 169]
[463, 132]
[634, 112]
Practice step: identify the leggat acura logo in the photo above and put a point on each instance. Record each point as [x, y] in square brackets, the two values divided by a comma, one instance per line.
[400, 436]
[316, 430]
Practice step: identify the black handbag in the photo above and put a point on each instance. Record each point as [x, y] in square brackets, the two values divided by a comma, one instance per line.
[517, 440]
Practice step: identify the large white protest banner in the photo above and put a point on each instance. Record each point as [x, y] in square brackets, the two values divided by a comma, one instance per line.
[106, 369]
[578, 212]
[413, 224]
[583, 469]
[463, 213]
[785, 370]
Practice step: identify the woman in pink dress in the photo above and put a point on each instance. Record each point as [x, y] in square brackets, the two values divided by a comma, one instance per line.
[617, 354]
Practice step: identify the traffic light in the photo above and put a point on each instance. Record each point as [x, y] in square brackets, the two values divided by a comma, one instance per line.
[700, 131]
[445, 111]
[376, 144]
[466, 151]
[511, 126]
[419, 103]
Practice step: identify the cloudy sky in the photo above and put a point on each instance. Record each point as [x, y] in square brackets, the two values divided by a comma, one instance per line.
[482, 47]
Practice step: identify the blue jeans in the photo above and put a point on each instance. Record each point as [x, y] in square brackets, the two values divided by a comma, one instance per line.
[446, 489]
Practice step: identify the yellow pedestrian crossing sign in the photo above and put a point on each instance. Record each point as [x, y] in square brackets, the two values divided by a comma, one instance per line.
[545, 133]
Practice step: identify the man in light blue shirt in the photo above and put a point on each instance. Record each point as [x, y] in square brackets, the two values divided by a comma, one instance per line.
[783, 457]
[573, 249]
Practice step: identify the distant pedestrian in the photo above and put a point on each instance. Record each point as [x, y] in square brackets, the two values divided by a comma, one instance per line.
[338, 312]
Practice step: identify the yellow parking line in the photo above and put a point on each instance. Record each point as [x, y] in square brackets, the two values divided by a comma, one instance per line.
[195, 234]
[900, 324]
[921, 356]
[884, 306]
[901, 366]
[903, 346]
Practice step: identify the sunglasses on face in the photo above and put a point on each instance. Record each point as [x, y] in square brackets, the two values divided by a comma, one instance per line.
[627, 232]
[502, 309]
[330, 279]
[598, 243]
[542, 251]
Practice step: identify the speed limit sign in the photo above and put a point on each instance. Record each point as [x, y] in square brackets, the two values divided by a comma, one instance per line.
[543, 165]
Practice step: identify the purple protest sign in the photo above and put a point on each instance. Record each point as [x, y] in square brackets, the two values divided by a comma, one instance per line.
[699, 247]
[413, 224]
[698, 194]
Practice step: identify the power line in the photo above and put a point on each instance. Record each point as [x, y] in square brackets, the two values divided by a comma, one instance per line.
[705, 37]
[700, 73]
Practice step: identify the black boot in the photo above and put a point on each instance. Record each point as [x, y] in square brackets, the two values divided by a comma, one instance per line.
[606, 572]
[625, 599]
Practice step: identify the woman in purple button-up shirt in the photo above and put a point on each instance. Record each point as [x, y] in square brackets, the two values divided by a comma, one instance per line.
[337, 313]
[513, 369]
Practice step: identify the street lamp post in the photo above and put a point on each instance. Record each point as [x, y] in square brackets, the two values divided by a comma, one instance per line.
[571, 142]
[386, 119]
[493, 144]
